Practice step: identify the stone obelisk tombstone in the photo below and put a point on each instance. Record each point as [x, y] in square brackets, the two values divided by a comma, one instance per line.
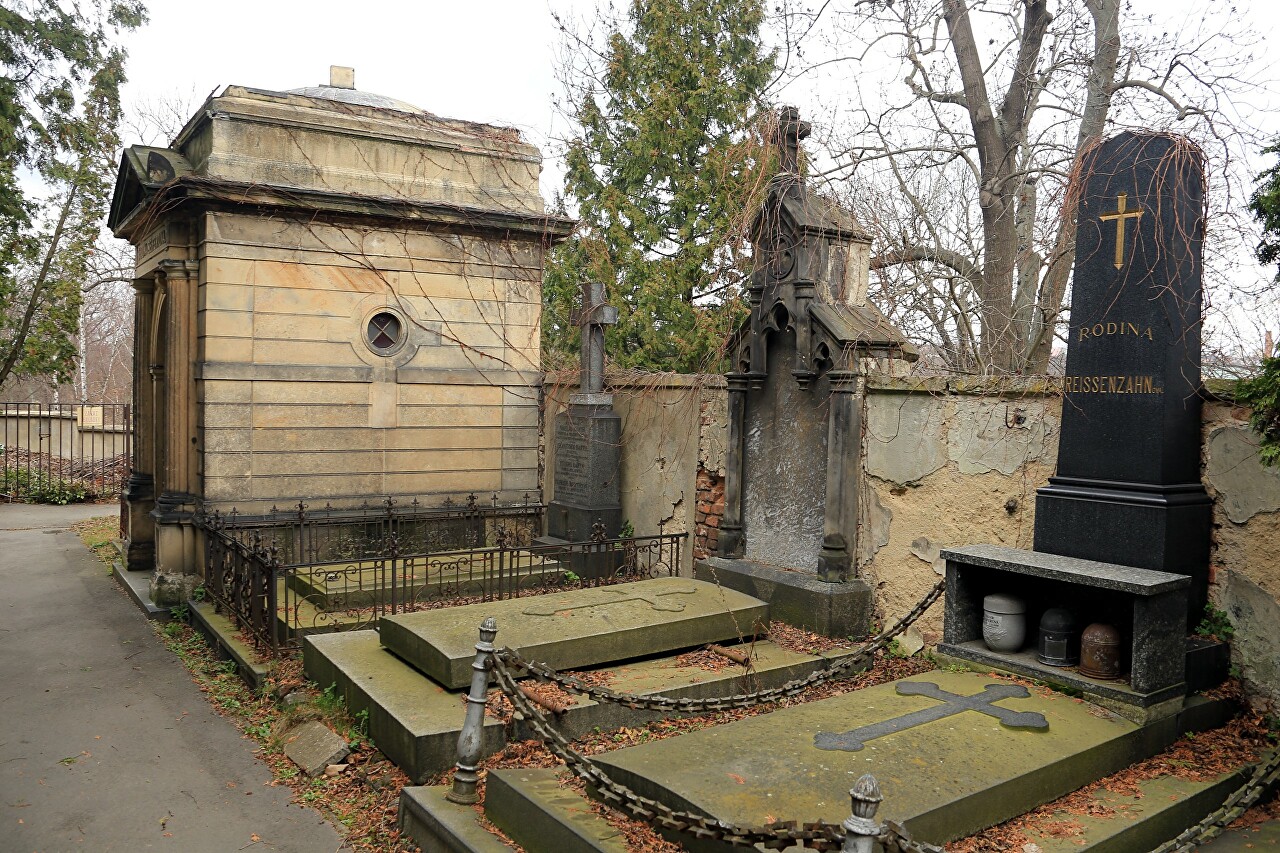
[1127, 489]
[588, 438]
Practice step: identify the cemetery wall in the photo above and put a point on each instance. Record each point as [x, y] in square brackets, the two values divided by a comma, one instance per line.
[946, 462]
[1245, 579]
[674, 429]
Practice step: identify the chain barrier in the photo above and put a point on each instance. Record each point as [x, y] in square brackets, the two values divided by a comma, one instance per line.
[820, 836]
[1265, 774]
[666, 704]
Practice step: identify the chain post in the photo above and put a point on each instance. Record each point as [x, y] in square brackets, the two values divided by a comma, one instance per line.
[470, 738]
[861, 829]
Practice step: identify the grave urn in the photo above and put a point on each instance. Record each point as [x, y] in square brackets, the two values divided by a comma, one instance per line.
[1101, 652]
[1059, 638]
[1004, 622]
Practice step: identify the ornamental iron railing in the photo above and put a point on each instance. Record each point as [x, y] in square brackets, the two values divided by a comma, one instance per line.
[282, 575]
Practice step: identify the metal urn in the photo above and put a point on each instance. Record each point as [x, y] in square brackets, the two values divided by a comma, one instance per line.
[1101, 653]
[1059, 638]
[1004, 622]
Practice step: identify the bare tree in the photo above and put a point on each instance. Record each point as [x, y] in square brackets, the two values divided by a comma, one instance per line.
[999, 101]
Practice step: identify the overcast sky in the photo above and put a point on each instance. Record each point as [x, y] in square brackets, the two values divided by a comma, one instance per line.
[483, 60]
[492, 60]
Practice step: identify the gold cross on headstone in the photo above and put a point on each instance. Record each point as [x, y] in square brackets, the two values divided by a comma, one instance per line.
[1120, 215]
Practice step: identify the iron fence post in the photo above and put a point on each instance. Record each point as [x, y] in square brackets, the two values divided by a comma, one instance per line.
[861, 829]
[470, 738]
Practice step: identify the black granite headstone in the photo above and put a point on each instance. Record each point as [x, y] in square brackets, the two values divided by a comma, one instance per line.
[1128, 488]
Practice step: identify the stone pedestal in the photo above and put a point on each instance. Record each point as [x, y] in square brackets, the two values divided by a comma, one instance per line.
[140, 527]
[177, 572]
[587, 466]
[797, 598]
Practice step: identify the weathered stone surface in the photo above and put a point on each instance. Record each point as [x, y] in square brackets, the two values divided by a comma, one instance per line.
[1054, 567]
[904, 437]
[577, 628]
[797, 598]
[444, 827]
[537, 811]
[1255, 648]
[414, 721]
[1161, 809]
[994, 435]
[1245, 488]
[314, 747]
[785, 466]
[944, 779]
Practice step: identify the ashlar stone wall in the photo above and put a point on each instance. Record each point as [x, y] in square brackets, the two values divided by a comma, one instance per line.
[295, 403]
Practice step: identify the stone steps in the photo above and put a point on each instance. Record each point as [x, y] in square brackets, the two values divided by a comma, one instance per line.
[1168, 805]
[542, 815]
[415, 721]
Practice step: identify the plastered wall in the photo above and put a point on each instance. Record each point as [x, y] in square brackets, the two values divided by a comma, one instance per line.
[957, 462]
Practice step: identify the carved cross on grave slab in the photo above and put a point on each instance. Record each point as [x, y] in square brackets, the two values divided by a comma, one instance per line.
[654, 600]
[592, 318]
[953, 703]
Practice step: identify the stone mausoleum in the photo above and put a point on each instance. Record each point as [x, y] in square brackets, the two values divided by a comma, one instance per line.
[338, 300]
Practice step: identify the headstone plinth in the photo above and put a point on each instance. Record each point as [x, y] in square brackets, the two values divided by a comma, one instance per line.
[1127, 488]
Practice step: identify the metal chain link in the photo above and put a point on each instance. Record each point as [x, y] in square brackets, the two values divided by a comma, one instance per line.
[569, 683]
[814, 836]
[1265, 774]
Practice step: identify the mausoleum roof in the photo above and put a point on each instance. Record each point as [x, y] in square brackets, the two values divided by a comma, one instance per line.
[355, 96]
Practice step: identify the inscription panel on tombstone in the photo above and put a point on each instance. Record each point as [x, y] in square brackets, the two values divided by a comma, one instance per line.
[572, 463]
[1131, 405]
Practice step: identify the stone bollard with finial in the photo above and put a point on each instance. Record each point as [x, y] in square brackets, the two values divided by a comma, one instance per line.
[861, 829]
[469, 739]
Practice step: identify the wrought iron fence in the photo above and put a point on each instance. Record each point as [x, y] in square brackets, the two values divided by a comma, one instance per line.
[363, 564]
[62, 452]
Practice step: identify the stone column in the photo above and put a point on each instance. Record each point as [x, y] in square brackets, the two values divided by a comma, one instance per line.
[175, 508]
[140, 527]
[732, 545]
[844, 439]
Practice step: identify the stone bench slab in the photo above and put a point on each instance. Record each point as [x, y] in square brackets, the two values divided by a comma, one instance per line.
[577, 628]
[1111, 576]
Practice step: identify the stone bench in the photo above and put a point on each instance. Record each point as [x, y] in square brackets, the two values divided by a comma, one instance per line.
[1149, 608]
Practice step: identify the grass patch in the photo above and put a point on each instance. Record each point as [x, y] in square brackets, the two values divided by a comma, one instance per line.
[99, 535]
[361, 801]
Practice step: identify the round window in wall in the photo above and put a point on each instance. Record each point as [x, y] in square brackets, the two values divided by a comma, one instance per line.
[385, 333]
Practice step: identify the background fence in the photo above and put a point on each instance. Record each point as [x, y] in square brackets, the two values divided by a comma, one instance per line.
[64, 451]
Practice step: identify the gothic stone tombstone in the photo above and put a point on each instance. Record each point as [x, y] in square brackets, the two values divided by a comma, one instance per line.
[338, 299]
[588, 439]
[790, 525]
[1127, 489]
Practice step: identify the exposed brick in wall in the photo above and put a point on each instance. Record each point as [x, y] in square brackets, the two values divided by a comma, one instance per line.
[706, 532]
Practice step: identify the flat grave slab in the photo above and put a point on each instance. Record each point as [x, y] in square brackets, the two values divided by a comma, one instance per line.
[577, 628]
[946, 768]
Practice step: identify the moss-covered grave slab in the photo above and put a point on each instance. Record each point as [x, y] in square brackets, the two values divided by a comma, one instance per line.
[577, 628]
[943, 778]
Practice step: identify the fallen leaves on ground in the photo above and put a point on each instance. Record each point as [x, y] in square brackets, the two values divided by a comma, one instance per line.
[1196, 757]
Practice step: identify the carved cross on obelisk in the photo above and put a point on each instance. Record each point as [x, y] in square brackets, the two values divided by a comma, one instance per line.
[788, 134]
[592, 318]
